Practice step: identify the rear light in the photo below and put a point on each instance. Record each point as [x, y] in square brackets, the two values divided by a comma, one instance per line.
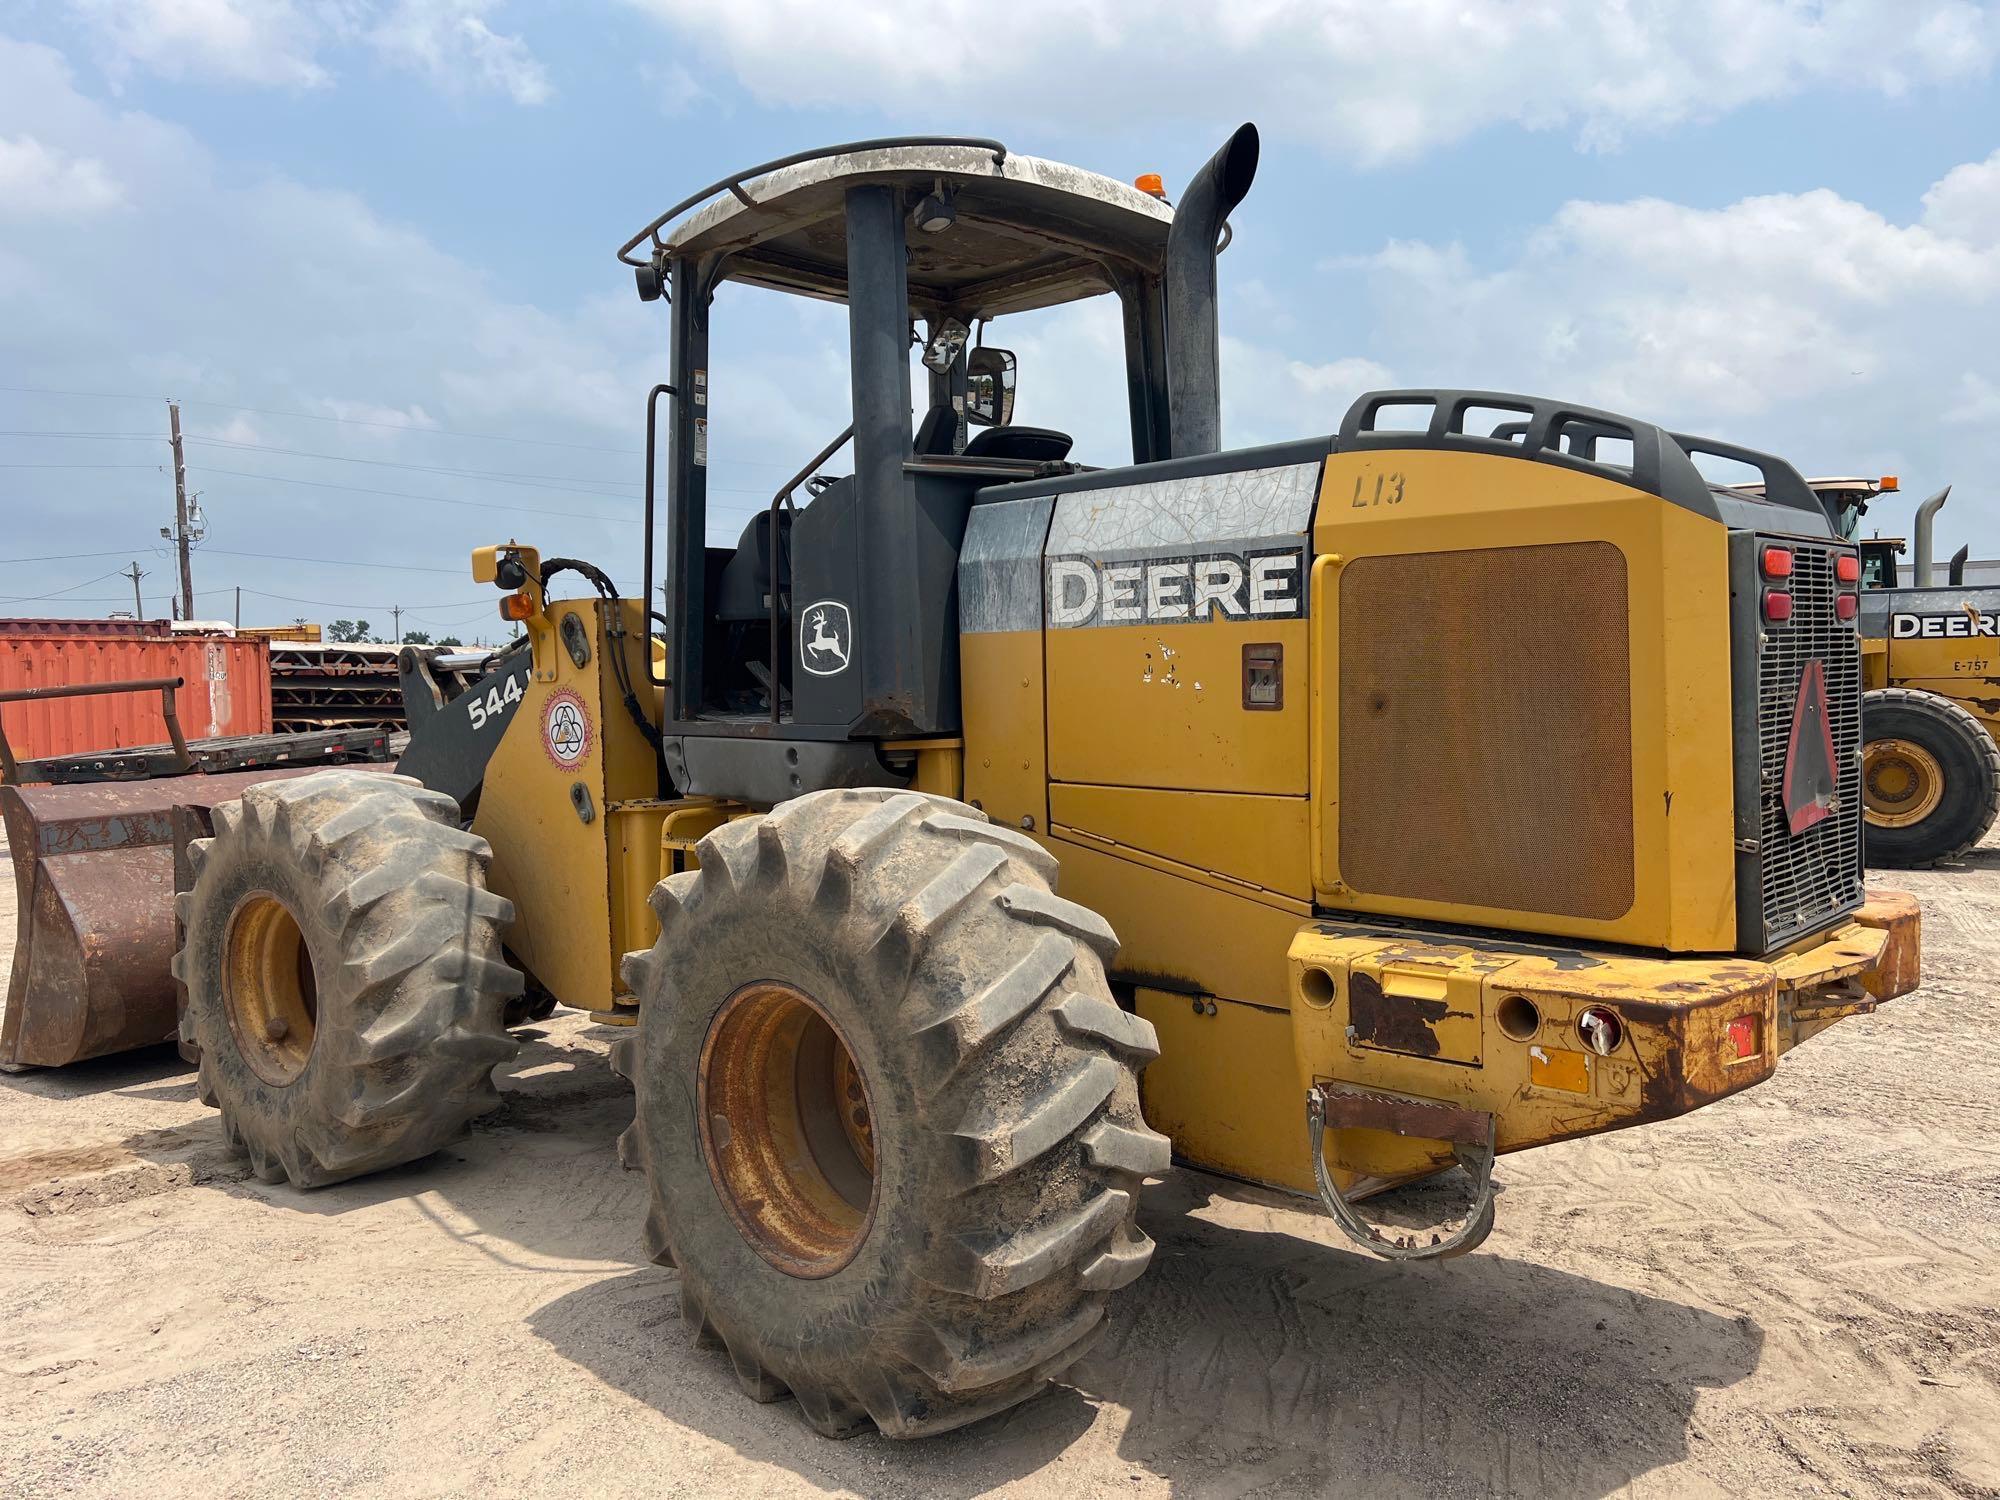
[1846, 606]
[1847, 568]
[1743, 1037]
[1777, 562]
[1778, 607]
[1601, 1030]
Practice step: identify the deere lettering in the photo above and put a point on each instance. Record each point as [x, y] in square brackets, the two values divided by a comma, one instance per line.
[1943, 627]
[1262, 585]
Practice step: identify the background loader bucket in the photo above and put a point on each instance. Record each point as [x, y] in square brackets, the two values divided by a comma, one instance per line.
[94, 882]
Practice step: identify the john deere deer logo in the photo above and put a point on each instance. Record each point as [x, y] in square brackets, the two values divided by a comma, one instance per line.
[827, 639]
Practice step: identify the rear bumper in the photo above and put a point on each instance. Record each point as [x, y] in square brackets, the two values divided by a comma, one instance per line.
[1876, 956]
[1554, 1043]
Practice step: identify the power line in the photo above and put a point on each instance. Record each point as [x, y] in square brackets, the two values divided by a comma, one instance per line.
[350, 604]
[307, 416]
[333, 562]
[502, 475]
[58, 593]
[43, 432]
[62, 556]
[357, 489]
[561, 482]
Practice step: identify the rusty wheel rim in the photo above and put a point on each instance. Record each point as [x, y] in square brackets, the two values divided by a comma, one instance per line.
[787, 1129]
[1902, 783]
[269, 989]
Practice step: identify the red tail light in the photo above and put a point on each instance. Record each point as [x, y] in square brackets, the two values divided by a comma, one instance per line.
[1743, 1036]
[1847, 568]
[1846, 606]
[1777, 562]
[1778, 607]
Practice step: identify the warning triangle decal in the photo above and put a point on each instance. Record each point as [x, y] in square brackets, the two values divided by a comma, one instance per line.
[1811, 775]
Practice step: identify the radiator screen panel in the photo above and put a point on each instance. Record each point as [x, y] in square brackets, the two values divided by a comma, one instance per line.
[1807, 880]
[1485, 729]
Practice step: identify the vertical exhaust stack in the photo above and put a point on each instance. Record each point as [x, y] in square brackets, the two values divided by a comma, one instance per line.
[1926, 519]
[1194, 365]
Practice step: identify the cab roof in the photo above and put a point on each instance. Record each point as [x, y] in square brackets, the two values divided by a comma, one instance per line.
[1027, 233]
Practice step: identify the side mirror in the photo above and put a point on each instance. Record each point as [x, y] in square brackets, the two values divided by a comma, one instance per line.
[942, 352]
[989, 387]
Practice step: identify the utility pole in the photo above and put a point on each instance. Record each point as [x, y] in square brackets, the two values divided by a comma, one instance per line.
[181, 513]
[138, 605]
[239, 606]
[397, 611]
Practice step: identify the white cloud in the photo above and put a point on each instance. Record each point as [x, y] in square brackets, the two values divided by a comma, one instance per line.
[37, 181]
[267, 293]
[676, 88]
[372, 414]
[449, 42]
[287, 43]
[1805, 324]
[270, 43]
[1965, 203]
[1978, 402]
[1380, 78]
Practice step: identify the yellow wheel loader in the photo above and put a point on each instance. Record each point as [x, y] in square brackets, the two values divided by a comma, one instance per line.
[1931, 666]
[981, 829]
[1930, 672]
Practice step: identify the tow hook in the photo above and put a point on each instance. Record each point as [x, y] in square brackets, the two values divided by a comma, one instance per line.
[1469, 1132]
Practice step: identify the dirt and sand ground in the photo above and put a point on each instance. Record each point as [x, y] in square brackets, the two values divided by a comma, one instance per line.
[1792, 1292]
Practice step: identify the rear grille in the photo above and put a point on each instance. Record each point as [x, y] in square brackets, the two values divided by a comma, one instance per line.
[1809, 879]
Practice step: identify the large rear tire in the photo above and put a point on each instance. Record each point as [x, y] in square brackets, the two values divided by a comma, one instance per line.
[346, 990]
[888, 1110]
[1930, 778]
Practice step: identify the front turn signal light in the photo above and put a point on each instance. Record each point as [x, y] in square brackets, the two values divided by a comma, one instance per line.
[1777, 607]
[516, 607]
[1847, 568]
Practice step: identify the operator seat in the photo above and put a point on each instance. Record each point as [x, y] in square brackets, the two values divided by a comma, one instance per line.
[1037, 444]
[743, 595]
[937, 433]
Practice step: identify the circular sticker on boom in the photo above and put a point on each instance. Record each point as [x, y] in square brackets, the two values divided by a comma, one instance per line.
[565, 728]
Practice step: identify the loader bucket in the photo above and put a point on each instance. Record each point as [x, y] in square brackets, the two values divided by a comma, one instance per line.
[94, 883]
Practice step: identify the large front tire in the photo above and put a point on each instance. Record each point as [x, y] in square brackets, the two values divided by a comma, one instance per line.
[888, 1110]
[1930, 778]
[346, 990]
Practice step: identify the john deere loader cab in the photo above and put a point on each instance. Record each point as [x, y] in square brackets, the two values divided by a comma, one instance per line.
[801, 656]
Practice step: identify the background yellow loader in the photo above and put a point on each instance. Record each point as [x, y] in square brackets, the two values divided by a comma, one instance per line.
[1930, 663]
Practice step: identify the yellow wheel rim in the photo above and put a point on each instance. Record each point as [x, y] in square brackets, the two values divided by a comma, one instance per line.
[1902, 783]
[787, 1129]
[269, 989]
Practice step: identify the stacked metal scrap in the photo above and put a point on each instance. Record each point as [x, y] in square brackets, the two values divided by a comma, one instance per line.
[325, 686]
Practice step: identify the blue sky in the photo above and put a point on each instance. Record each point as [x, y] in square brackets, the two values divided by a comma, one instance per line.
[369, 243]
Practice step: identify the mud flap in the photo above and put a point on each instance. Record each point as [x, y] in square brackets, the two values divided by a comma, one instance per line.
[1469, 1133]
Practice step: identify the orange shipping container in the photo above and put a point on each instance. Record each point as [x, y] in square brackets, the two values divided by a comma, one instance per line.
[226, 684]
